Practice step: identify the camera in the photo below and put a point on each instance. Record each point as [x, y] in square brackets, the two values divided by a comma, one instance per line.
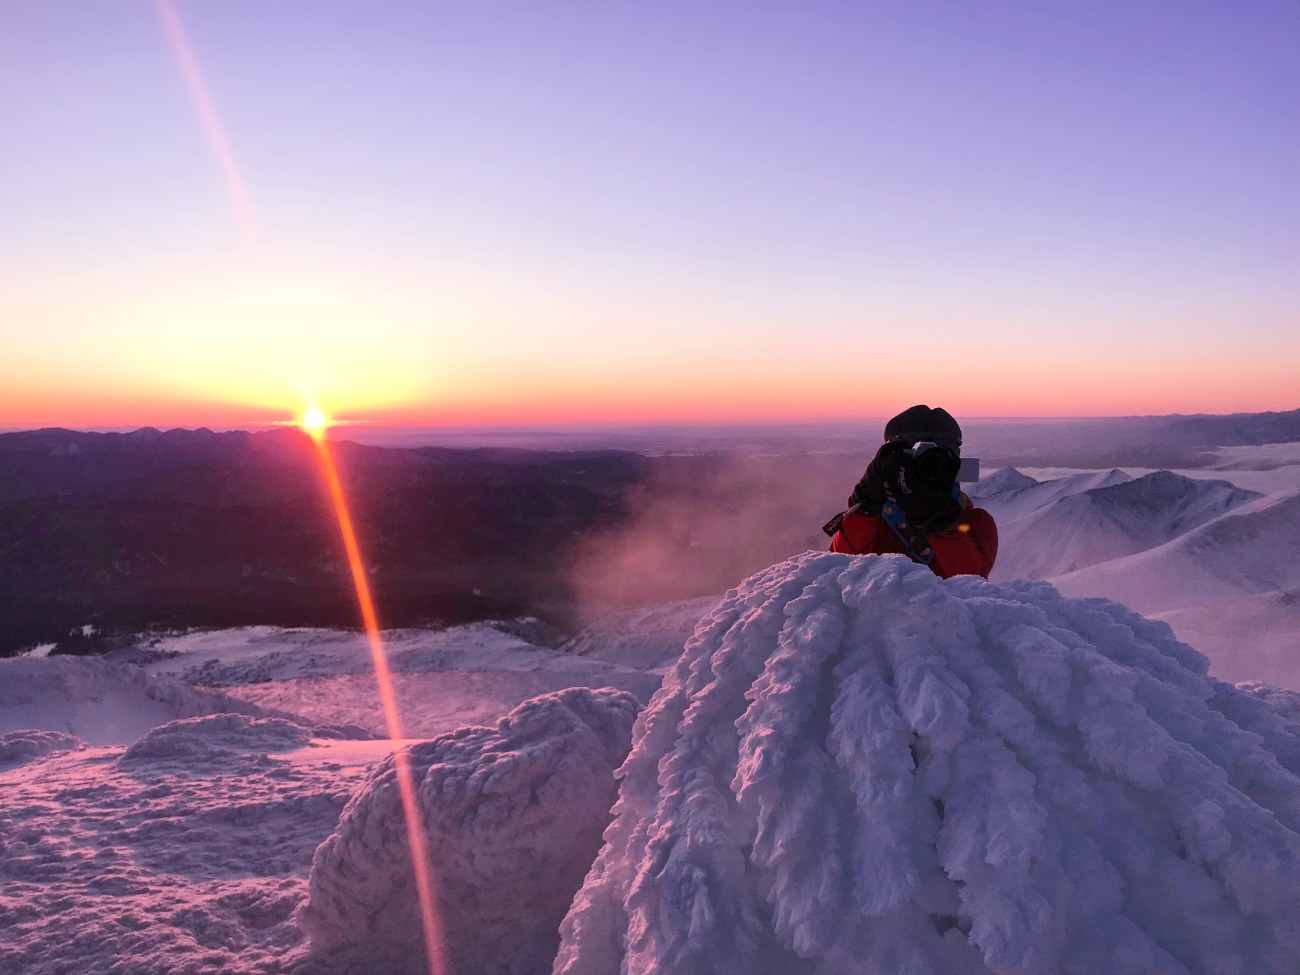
[941, 465]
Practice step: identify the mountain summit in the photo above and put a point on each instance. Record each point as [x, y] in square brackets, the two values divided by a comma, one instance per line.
[858, 767]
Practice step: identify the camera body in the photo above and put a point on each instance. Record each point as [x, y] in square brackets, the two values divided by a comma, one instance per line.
[939, 464]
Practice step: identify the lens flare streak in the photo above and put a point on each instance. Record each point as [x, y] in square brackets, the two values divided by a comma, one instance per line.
[212, 126]
[424, 879]
[315, 422]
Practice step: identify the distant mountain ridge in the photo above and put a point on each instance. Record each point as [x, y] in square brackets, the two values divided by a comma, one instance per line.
[1218, 563]
[1254, 548]
[1052, 528]
[1238, 429]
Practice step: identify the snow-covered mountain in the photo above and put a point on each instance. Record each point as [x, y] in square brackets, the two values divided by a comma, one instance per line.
[1009, 495]
[1069, 528]
[1230, 587]
[1214, 560]
[1252, 549]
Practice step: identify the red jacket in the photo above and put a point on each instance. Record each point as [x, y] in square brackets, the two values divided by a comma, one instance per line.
[968, 548]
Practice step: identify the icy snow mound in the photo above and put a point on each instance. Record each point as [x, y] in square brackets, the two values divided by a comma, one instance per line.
[20, 747]
[217, 736]
[513, 815]
[104, 703]
[857, 767]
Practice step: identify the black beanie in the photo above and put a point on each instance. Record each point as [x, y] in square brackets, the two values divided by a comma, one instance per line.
[922, 423]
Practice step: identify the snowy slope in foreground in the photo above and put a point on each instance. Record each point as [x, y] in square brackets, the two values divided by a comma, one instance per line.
[857, 767]
[444, 679]
[187, 852]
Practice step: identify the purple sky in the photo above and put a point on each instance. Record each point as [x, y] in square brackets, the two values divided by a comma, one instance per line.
[488, 192]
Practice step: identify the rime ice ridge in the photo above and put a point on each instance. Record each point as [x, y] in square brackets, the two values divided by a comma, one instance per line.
[858, 767]
[513, 815]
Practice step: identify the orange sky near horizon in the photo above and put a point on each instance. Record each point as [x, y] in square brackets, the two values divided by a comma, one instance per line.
[738, 398]
[778, 228]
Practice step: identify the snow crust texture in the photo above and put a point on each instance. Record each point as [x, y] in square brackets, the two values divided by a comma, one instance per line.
[18, 747]
[160, 865]
[514, 816]
[857, 767]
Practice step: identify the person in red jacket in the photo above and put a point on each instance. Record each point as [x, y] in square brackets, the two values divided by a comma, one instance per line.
[908, 502]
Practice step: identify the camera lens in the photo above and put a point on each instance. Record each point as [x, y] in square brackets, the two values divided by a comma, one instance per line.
[936, 465]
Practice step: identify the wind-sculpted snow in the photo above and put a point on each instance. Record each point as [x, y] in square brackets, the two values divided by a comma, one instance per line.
[857, 767]
[216, 736]
[514, 816]
[18, 747]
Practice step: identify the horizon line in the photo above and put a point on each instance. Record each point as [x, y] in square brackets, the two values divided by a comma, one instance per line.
[261, 426]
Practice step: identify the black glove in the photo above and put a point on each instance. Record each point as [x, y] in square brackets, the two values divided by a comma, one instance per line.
[880, 479]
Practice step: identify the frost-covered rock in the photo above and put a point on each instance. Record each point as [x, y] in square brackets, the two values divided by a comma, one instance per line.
[857, 767]
[513, 816]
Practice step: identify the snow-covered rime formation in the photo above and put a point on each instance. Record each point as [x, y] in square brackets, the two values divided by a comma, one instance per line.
[513, 815]
[857, 767]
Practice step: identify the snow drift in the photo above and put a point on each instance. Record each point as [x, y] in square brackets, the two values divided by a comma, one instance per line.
[514, 816]
[102, 702]
[858, 767]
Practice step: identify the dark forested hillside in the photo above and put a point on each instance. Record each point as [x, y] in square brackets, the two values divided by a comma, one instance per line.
[185, 528]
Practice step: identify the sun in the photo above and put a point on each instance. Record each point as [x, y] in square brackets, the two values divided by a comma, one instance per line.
[314, 421]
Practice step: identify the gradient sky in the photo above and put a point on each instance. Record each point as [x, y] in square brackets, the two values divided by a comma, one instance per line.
[544, 212]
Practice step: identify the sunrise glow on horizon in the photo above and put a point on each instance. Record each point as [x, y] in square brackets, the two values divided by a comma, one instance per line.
[462, 216]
